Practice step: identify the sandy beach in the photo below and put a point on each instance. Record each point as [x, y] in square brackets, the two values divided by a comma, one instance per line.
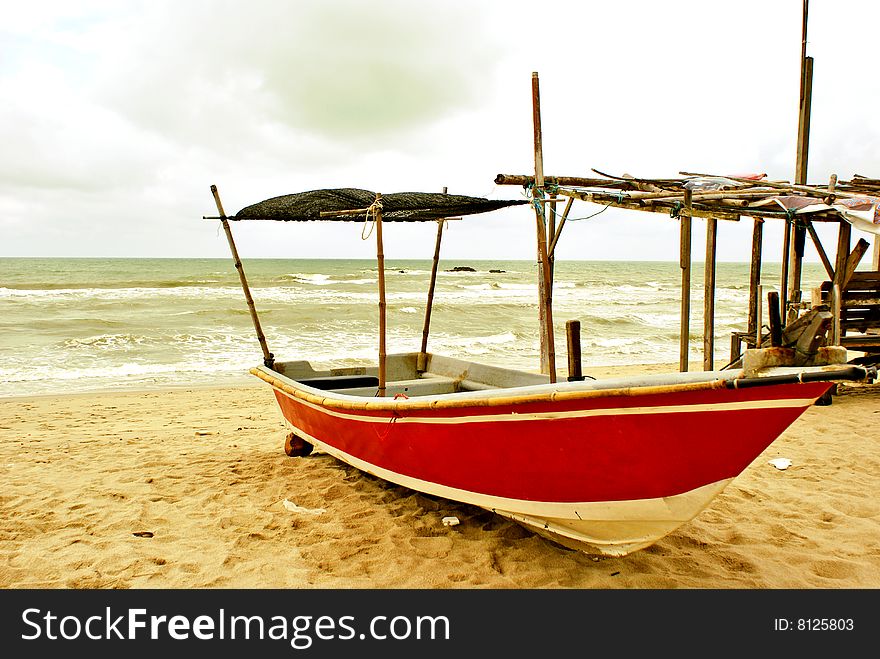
[190, 488]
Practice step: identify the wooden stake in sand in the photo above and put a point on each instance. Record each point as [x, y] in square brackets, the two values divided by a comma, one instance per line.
[268, 357]
[573, 335]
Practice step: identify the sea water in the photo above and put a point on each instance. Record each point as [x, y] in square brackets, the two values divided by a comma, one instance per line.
[75, 325]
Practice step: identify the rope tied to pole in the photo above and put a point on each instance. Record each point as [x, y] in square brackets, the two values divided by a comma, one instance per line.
[370, 219]
[675, 212]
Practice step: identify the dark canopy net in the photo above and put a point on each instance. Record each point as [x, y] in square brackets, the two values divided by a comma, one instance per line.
[399, 206]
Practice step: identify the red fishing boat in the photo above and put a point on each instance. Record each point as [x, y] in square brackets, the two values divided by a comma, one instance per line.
[603, 466]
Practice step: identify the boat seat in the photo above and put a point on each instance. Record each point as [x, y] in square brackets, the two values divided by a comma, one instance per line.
[328, 382]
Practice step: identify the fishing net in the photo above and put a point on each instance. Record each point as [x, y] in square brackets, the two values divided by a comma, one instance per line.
[399, 206]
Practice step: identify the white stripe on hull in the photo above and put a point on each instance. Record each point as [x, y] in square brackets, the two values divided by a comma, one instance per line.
[611, 528]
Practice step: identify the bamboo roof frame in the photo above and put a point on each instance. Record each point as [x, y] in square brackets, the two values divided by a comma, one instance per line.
[666, 195]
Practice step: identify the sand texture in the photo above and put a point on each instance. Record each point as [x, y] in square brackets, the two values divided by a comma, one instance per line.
[186, 488]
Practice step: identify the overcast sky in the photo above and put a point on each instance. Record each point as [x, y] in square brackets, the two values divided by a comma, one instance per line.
[116, 117]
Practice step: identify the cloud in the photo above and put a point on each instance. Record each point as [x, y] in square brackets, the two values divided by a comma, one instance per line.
[247, 73]
[117, 116]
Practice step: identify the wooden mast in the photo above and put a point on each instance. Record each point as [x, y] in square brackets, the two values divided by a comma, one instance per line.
[376, 209]
[684, 262]
[423, 356]
[268, 357]
[545, 281]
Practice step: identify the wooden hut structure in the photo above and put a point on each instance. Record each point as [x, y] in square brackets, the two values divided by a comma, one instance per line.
[843, 311]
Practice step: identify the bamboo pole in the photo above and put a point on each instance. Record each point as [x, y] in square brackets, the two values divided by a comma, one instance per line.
[551, 251]
[709, 295]
[380, 261]
[755, 276]
[268, 357]
[684, 262]
[611, 199]
[423, 356]
[545, 279]
[821, 250]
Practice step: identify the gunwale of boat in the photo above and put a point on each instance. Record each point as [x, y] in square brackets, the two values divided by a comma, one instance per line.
[470, 384]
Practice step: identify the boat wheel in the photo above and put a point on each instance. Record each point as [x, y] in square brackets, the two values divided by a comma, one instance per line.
[296, 447]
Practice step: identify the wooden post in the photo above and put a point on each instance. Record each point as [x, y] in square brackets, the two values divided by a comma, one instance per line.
[755, 276]
[804, 103]
[551, 234]
[684, 262]
[709, 295]
[268, 357]
[423, 356]
[380, 260]
[876, 262]
[545, 279]
[798, 237]
[735, 347]
[844, 238]
[835, 313]
[774, 318]
[759, 323]
[786, 256]
[573, 335]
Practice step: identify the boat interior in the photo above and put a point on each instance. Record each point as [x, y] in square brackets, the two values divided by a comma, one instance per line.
[440, 375]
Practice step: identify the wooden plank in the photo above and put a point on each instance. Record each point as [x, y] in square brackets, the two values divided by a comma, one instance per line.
[814, 335]
[755, 274]
[852, 262]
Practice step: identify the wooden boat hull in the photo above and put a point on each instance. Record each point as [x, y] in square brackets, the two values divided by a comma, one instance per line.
[606, 472]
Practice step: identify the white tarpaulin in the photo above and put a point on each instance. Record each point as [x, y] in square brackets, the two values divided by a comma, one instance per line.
[862, 212]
